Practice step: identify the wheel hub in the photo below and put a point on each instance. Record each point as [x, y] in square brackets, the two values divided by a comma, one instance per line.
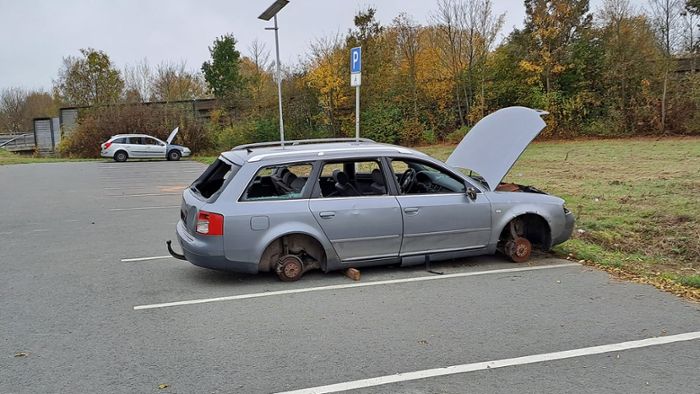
[289, 268]
[519, 249]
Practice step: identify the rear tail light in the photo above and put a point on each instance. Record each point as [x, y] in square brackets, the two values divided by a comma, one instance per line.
[210, 223]
[106, 145]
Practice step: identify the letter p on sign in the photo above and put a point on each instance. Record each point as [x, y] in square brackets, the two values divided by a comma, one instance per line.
[356, 60]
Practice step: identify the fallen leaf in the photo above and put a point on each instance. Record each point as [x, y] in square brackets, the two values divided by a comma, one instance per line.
[163, 386]
[21, 354]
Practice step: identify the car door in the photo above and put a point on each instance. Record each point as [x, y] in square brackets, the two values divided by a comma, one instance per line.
[154, 148]
[361, 226]
[439, 216]
[136, 147]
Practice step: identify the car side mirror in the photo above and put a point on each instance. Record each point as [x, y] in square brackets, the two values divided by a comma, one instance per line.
[471, 193]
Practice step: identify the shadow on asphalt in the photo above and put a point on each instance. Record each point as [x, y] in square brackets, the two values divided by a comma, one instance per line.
[213, 278]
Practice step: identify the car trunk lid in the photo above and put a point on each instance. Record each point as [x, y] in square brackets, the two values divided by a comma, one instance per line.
[496, 142]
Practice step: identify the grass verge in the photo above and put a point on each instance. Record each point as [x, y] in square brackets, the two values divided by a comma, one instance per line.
[7, 158]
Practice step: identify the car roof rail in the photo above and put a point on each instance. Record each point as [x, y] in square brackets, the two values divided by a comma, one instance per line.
[250, 147]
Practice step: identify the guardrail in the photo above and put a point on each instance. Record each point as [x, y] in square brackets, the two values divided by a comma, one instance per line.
[17, 142]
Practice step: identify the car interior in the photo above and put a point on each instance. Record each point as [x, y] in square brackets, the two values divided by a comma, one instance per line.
[278, 182]
[416, 177]
[352, 178]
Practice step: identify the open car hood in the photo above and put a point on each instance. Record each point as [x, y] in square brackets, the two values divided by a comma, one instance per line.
[496, 142]
[172, 135]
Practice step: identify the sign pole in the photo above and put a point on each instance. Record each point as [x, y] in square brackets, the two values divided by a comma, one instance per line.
[357, 113]
[279, 82]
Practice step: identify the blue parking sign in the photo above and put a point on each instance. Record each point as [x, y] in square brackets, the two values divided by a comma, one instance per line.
[356, 60]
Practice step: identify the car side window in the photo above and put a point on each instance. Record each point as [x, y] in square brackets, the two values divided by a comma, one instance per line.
[352, 178]
[416, 177]
[151, 141]
[122, 140]
[279, 182]
[136, 140]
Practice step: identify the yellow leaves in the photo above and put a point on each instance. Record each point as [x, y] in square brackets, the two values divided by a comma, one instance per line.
[530, 67]
[326, 75]
[163, 386]
[558, 69]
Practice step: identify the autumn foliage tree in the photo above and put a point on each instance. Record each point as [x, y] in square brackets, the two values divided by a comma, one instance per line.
[88, 80]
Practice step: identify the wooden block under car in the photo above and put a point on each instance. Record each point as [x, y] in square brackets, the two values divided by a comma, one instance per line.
[353, 274]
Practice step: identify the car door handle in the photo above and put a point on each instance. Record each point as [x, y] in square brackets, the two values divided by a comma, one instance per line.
[411, 211]
[326, 214]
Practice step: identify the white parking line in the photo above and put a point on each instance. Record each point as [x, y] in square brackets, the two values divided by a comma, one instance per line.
[144, 195]
[350, 286]
[146, 258]
[480, 366]
[142, 186]
[143, 208]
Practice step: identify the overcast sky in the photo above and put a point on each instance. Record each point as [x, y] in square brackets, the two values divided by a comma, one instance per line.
[36, 34]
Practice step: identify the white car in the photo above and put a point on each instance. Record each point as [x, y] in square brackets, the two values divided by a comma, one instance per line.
[121, 147]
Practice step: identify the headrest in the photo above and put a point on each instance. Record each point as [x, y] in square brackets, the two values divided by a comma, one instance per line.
[377, 177]
[342, 178]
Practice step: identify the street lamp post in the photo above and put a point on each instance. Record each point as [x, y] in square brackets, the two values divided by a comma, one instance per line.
[271, 13]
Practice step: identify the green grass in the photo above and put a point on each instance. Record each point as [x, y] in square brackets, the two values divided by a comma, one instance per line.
[637, 201]
[689, 280]
[205, 159]
[7, 158]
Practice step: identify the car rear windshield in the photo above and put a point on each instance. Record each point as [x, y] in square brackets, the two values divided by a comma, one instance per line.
[211, 182]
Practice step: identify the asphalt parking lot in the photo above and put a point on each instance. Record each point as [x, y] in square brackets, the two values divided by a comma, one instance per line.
[91, 303]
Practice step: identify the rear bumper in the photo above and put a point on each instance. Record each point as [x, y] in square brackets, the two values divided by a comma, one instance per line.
[566, 232]
[208, 252]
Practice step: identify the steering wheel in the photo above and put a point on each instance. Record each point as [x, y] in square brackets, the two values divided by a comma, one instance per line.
[408, 180]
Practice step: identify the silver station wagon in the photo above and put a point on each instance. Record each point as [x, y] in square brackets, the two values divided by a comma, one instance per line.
[335, 204]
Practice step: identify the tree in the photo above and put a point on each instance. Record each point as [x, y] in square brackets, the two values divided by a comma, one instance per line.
[11, 107]
[666, 16]
[691, 24]
[88, 80]
[173, 82]
[483, 27]
[327, 73]
[630, 61]
[408, 42]
[222, 73]
[18, 107]
[465, 33]
[553, 25]
[256, 70]
[449, 39]
[138, 80]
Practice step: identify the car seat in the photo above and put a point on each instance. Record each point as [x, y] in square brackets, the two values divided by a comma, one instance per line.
[343, 186]
[378, 185]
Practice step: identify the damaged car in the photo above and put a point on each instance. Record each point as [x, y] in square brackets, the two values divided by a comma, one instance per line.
[333, 204]
[122, 147]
